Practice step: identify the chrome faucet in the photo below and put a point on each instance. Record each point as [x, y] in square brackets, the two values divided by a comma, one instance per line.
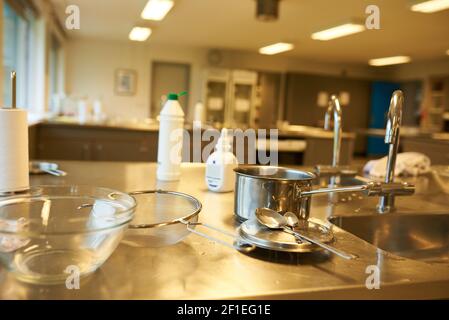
[335, 110]
[386, 203]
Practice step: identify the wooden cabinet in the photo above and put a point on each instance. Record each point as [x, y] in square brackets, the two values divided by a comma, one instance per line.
[96, 143]
[123, 150]
[320, 151]
[74, 142]
[63, 149]
[437, 151]
[32, 142]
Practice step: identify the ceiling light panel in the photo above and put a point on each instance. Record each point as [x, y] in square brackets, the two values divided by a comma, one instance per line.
[338, 31]
[139, 34]
[276, 48]
[389, 61]
[157, 9]
[430, 6]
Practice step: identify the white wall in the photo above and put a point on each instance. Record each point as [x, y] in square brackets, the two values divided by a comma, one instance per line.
[422, 69]
[91, 65]
[285, 63]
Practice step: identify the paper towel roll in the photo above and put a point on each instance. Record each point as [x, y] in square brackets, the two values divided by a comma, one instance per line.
[14, 158]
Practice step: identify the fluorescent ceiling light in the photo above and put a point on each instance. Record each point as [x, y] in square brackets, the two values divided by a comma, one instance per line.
[139, 34]
[156, 9]
[276, 48]
[389, 61]
[430, 6]
[338, 31]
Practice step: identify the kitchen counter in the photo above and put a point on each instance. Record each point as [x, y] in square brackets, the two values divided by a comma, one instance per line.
[408, 133]
[200, 269]
[64, 138]
[150, 125]
[311, 132]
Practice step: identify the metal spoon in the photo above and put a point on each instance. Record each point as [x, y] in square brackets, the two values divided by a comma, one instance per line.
[274, 220]
[55, 172]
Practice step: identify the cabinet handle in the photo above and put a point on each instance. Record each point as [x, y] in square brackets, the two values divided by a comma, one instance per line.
[143, 149]
[86, 151]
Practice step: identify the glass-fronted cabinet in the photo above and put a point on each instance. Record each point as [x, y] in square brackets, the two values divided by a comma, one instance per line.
[230, 97]
[242, 97]
[216, 95]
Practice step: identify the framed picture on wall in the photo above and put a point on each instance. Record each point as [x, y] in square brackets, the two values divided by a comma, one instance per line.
[125, 83]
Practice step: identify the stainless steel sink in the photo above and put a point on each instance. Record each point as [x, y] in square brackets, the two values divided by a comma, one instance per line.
[422, 237]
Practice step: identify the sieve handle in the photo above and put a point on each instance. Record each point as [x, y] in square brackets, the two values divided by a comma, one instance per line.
[238, 244]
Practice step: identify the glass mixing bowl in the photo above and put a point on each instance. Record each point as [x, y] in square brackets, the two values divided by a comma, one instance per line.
[57, 231]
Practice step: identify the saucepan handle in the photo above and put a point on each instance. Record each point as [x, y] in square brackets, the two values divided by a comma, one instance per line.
[361, 188]
[370, 189]
[238, 243]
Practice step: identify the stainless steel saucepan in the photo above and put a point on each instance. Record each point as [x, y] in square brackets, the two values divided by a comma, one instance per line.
[270, 187]
[283, 190]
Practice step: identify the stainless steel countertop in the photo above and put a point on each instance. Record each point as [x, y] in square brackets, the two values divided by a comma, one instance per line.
[200, 269]
[134, 125]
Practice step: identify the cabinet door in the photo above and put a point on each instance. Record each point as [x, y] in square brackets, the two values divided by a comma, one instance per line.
[75, 142]
[438, 152]
[32, 141]
[63, 142]
[122, 145]
[319, 151]
[64, 149]
[123, 150]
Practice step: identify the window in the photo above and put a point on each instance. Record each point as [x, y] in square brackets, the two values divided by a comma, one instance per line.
[54, 69]
[16, 33]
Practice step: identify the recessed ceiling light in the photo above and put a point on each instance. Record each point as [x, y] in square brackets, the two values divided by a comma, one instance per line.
[276, 48]
[156, 9]
[430, 6]
[139, 34]
[338, 31]
[389, 61]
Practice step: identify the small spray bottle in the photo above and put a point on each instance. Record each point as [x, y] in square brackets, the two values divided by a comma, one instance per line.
[220, 176]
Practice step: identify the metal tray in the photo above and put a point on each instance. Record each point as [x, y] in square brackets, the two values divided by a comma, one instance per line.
[278, 240]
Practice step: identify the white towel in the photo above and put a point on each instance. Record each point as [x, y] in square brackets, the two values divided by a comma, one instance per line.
[407, 164]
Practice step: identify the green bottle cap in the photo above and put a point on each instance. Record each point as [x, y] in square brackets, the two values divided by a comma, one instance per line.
[175, 96]
[172, 96]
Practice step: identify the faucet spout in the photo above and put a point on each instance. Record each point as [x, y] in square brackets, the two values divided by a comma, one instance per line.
[392, 132]
[334, 110]
[394, 120]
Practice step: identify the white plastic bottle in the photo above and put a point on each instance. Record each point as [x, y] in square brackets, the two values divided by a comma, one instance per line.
[171, 126]
[220, 176]
[198, 115]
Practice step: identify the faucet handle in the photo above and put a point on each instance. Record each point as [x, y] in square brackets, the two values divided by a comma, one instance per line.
[393, 188]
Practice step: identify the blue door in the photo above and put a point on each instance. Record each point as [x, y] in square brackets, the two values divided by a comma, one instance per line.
[380, 102]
